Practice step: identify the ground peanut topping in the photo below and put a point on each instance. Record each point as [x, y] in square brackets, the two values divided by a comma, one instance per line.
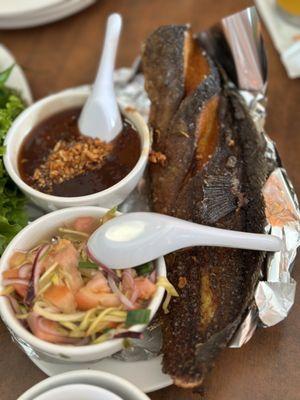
[156, 157]
[70, 159]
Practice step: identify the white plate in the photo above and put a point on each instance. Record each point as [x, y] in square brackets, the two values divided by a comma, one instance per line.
[146, 375]
[52, 14]
[17, 79]
[78, 391]
[19, 7]
[117, 385]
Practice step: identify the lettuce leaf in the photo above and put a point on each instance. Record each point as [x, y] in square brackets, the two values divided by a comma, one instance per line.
[13, 216]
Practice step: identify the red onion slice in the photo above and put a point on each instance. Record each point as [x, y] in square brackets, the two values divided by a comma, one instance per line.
[37, 324]
[46, 329]
[128, 334]
[35, 274]
[127, 303]
[21, 251]
[82, 341]
[7, 282]
[152, 276]
[25, 271]
[127, 276]
[40, 324]
[37, 266]
[134, 296]
[129, 283]
[109, 271]
[14, 304]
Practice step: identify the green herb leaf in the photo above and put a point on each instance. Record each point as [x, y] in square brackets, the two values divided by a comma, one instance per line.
[109, 215]
[4, 75]
[127, 344]
[135, 317]
[13, 216]
[106, 330]
[88, 265]
[144, 269]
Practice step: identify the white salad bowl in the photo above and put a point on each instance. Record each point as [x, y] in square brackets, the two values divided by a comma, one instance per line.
[49, 106]
[43, 228]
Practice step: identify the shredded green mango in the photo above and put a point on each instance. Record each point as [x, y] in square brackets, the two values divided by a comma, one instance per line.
[171, 291]
[109, 215]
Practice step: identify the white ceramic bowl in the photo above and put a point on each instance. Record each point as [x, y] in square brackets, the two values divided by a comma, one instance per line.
[43, 109]
[78, 391]
[113, 383]
[43, 228]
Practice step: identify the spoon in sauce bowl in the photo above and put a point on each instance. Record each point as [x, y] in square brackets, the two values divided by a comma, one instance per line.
[136, 238]
[100, 117]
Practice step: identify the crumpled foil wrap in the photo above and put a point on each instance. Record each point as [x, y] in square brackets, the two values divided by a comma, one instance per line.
[236, 45]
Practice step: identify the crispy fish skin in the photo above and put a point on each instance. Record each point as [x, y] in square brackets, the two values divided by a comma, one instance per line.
[167, 56]
[169, 84]
[213, 175]
[220, 282]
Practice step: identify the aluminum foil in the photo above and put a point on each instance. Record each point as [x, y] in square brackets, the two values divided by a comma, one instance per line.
[236, 45]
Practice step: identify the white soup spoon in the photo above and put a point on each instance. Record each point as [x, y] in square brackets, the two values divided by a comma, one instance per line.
[100, 117]
[136, 238]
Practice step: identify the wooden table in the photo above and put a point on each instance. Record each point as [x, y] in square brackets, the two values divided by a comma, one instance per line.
[65, 54]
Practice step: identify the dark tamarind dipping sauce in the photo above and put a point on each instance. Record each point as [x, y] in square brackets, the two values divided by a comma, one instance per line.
[121, 158]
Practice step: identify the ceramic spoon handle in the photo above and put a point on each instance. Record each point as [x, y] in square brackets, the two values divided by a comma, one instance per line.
[104, 76]
[136, 238]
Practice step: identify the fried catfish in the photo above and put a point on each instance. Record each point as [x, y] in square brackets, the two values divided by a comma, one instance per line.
[213, 174]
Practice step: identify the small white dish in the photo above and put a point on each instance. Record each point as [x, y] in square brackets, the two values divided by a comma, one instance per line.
[48, 106]
[147, 375]
[40, 229]
[78, 391]
[119, 386]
